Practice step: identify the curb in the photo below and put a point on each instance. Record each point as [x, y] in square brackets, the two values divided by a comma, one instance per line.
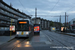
[11, 39]
[7, 41]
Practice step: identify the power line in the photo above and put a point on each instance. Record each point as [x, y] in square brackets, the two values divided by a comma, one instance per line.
[47, 15]
[22, 5]
[55, 5]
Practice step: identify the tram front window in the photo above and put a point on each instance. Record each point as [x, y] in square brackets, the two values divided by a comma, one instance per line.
[23, 27]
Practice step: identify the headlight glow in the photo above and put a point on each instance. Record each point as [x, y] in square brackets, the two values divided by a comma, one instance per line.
[17, 32]
[27, 32]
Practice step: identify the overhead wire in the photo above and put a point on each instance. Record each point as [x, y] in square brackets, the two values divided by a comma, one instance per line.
[55, 5]
[50, 16]
[40, 15]
[22, 5]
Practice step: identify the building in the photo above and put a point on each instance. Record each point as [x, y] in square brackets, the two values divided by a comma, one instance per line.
[8, 13]
[57, 25]
[44, 24]
[72, 24]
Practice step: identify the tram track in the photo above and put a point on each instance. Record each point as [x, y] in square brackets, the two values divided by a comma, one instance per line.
[12, 44]
[72, 38]
[63, 43]
[56, 39]
[65, 40]
[18, 43]
[7, 43]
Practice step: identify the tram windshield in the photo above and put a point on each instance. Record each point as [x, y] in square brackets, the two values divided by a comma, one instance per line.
[23, 26]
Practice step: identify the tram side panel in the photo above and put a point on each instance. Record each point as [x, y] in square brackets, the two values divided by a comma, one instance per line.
[31, 28]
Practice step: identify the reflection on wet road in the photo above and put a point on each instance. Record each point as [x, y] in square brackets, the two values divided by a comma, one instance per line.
[22, 44]
[40, 42]
[15, 43]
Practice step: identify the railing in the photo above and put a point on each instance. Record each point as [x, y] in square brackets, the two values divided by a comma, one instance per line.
[10, 10]
[8, 14]
[6, 19]
[3, 24]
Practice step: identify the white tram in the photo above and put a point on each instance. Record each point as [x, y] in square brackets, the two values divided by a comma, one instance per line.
[24, 28]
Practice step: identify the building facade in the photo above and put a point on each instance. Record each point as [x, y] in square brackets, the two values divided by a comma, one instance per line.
[8, 13]
[72, 24]
[44, 24]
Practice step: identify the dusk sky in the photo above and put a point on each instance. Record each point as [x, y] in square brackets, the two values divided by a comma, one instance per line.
[46, 8]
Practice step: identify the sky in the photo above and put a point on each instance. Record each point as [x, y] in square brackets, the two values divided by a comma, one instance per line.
[46, 9]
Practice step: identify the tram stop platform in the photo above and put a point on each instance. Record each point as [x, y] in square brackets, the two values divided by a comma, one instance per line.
[4, 39]
[40, 40]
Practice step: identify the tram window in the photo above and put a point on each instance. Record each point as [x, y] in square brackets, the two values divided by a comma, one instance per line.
[23, 27]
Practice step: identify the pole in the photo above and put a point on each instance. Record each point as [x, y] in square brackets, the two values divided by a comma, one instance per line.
[11, 27]
[65, 21]
[35, 14]
[60, 22]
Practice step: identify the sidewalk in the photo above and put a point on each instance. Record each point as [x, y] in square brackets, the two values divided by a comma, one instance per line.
[66, 33]
[4, 39]
[71, 33]
[40, 40]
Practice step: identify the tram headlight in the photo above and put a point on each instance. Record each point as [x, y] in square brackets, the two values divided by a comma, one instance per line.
[27, 32]
[17, 32]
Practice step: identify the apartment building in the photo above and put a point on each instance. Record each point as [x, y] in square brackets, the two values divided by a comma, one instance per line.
[8, 13]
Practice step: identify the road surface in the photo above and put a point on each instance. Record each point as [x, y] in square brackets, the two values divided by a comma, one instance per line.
[61, 40]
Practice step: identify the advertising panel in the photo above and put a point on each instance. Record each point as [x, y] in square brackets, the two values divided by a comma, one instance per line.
[53, 28]
[12, 28]
[62, 28]
[36, 28]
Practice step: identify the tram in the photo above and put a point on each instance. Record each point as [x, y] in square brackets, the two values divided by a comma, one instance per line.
[24, 28]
